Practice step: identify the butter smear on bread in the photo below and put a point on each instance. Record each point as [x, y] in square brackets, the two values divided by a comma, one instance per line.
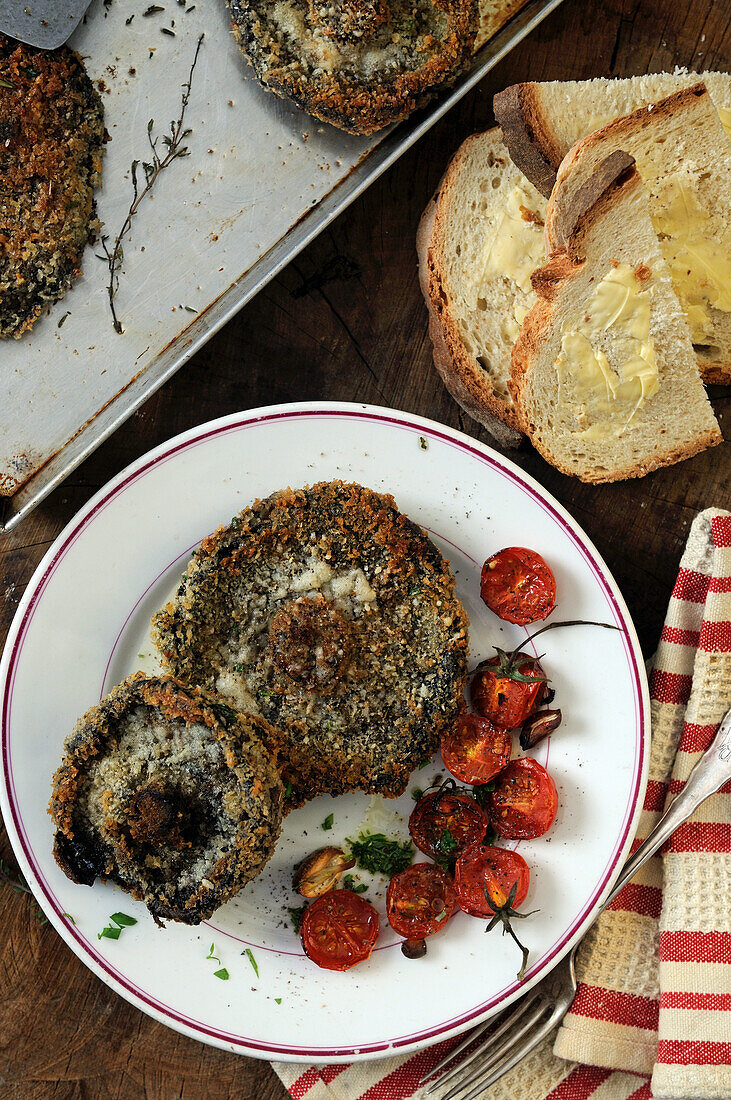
[513, 249]
[699, 264]
[609, 386]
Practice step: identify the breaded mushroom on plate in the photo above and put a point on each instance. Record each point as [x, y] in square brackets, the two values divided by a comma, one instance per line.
[171, 796]
[332, 614]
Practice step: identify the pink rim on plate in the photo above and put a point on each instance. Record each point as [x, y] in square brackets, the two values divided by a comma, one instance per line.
[12, 811]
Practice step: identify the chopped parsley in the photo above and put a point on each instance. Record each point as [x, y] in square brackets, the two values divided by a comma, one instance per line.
[481, 791]
[288, 789]
[222, 972]
[444, 850]
[296, 915]
[417, 794]
[328, 823]
[250, 956]
[114, 930]
[278, 1000]
[424, 764]
[376, 853]
[349, 883]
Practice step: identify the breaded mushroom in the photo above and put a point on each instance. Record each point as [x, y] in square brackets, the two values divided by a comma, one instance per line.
[51, 141]
[171, 796]
[359, 64]
[333, 615]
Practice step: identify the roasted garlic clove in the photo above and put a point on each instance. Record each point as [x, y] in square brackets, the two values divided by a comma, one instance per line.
[538, 726]
[413, 949]
[320, 872]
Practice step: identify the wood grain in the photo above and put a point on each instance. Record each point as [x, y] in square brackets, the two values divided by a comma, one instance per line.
[345, 321]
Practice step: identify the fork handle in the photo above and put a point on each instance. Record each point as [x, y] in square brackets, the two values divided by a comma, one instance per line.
[710, 773]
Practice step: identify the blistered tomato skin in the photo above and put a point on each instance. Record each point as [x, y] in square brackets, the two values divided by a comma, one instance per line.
[518, 585]
[339, 930]
[420, 901]
[524, 803]
[503, 701]
[444, 824]
[475, 750]
[493, 871]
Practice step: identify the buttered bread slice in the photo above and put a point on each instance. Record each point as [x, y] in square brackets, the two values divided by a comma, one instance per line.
[683, 153]
[541, 121]
[684, 158]
[604, 375]
[479, 239]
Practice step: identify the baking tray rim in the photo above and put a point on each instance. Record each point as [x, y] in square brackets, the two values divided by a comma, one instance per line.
[96, 430]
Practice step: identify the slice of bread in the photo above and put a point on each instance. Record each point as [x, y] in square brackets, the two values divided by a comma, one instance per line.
[540, 122]
[684, 157]
[604, 375]
[493, 14]
[479, 239]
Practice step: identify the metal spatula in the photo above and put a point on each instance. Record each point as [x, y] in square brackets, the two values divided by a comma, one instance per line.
[43, 23]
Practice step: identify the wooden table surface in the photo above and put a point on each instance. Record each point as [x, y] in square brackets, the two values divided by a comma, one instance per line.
[345, 321]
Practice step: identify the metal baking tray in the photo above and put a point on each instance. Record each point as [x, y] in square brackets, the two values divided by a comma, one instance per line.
[261, 181]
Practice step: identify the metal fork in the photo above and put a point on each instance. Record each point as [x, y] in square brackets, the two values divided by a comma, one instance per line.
[545, 1006]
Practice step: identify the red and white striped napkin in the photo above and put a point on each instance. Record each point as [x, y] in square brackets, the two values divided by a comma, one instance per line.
[652, 1016]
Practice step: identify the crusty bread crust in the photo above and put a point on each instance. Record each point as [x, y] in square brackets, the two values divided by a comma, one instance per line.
[565, 264]
[465, 380]
[530, 142]
[714, 373]
[568, 227]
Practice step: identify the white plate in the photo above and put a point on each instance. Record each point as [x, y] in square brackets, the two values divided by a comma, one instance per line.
[83, 624]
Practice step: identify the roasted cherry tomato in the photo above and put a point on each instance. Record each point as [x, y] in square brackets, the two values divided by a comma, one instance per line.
[524, 802]
[497, 694]
[474, 750]
[493, 871]
[445, 823]
[339, 930]
[420, 901]
[518, 585]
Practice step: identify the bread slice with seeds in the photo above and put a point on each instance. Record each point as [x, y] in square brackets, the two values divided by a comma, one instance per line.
[604, 375]
[479, 239]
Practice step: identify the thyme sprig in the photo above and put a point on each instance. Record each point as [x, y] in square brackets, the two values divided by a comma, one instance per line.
[563, 622]
[173, 143]
[503, 914]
